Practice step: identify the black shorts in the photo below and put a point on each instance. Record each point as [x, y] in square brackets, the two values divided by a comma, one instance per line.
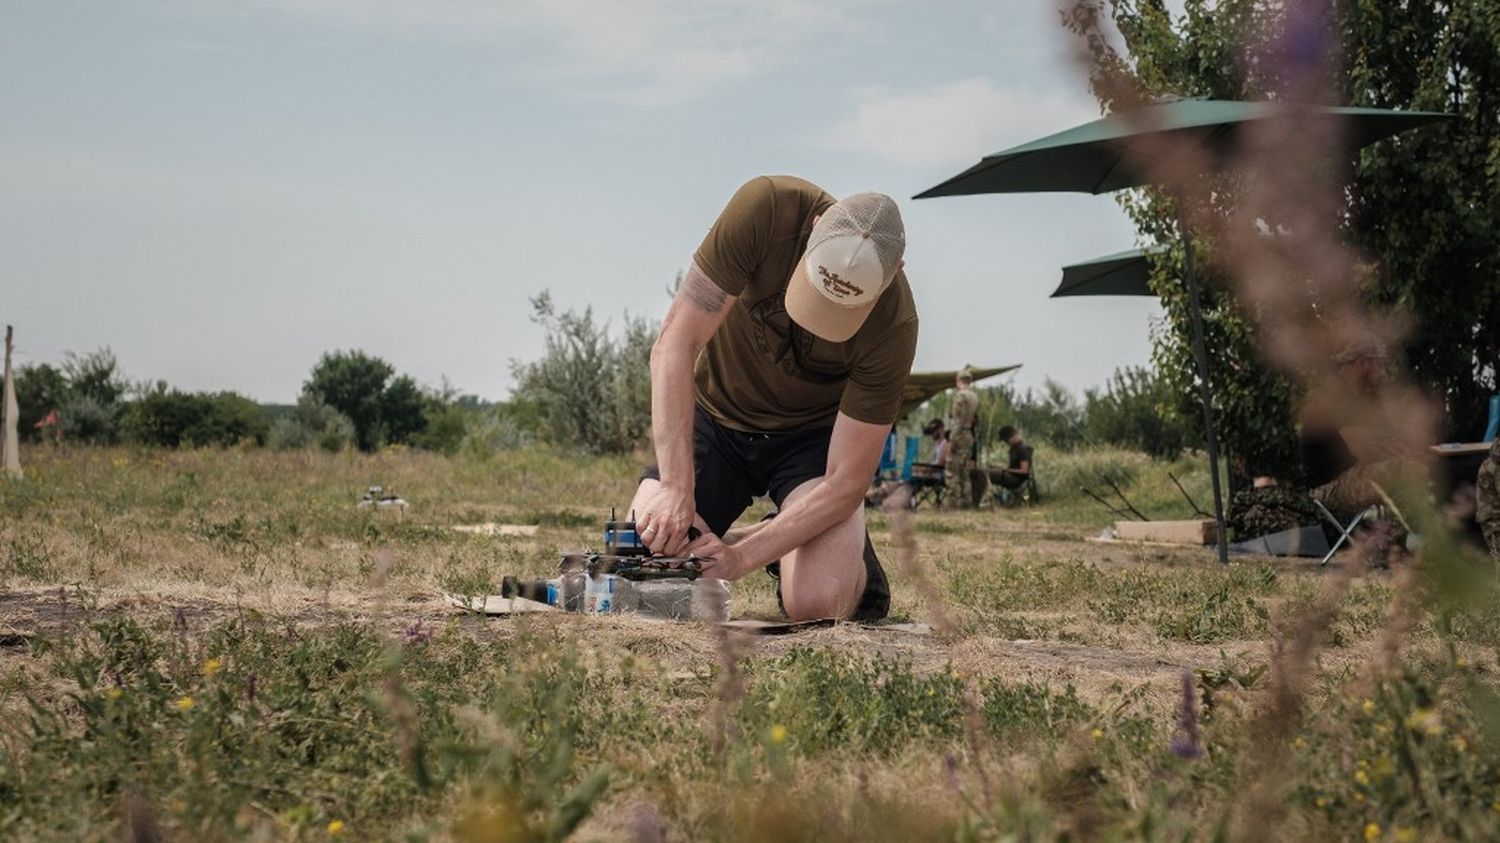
[732, 468]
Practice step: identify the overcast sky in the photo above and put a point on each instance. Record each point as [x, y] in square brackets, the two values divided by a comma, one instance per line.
[221, 190]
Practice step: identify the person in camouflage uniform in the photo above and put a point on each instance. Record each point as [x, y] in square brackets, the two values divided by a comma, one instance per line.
[961, 443]
[1487, 499]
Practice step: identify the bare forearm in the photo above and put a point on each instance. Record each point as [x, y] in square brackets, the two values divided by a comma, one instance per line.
[672, 414]
[826, 505]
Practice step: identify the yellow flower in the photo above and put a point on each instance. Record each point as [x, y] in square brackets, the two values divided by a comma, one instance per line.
[184, 704]
[1384, 767]
[1367, 706]
[1098, 733]
[1406, 835]
[1372, 831]
[212, 666]
[1362, 777]
[778, 733]
[931, 692]
[1299, 743]
[114, 694]
[1460, 662]
[1321, 802]
[336, 828]
[1425, 720]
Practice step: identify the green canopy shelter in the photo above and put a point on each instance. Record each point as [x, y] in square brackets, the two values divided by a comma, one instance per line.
[921, 386]
[1125, 273]
[1098, 157]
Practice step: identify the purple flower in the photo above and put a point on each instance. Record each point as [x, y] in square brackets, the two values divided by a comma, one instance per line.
[1185, 743]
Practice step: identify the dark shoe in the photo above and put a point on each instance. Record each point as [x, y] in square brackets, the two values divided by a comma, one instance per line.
[875, 603]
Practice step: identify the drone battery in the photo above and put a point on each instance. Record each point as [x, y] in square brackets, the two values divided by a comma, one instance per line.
[621, 539]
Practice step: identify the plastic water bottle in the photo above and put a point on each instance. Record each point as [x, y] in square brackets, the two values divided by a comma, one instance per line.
[609, 593]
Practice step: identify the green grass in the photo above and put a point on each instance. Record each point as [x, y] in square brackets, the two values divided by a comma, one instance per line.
[221, 646]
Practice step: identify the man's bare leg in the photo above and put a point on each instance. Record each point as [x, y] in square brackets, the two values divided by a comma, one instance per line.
[825, 578]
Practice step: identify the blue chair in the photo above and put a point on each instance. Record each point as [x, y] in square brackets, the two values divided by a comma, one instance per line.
[912, 443]
[1494, 426]
[888, 466]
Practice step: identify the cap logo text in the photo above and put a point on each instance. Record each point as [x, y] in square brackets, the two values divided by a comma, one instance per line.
[836, 285]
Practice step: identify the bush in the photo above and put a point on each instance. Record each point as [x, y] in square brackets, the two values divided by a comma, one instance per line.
[84, 419]
[171, 418]
[446, 428]
[589, 390]
[312, 424]
[40, 389]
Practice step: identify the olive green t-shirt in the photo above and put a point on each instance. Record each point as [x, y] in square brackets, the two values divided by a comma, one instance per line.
[762, 372]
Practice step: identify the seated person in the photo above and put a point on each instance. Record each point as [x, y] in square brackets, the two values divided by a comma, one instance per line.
[1015, 475]
[934, 429]
[1344, 458]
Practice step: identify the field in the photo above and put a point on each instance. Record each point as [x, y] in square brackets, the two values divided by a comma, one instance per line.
[218, 645]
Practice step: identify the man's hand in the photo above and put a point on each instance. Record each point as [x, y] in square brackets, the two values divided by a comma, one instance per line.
[663, 522]
[720, 561]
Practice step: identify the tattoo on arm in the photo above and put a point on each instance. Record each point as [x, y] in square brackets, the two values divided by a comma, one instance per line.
[703, 293]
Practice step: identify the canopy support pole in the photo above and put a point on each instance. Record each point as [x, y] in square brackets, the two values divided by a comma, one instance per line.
[1205, 392]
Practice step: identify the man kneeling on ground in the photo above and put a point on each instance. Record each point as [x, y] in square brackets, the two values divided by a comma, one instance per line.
[779, 371]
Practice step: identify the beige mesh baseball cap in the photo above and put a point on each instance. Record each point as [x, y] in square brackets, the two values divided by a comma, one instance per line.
[852, 256]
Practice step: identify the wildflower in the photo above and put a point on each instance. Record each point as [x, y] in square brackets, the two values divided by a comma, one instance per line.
[114, 693]
[1406, 835]
[1321, 802]
[1185, 743]
[1459, 744]
[931, 692]
[1098, 733]
[1299, 743]
[1460, 662]
[1368, 707]
[335, 828]
[1372, 831]
[212, 666]
[184, 704]
[1362, 777]
[1425, 720]
[778, 733]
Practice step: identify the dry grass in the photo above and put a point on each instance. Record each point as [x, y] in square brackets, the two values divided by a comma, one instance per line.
[1049, 638]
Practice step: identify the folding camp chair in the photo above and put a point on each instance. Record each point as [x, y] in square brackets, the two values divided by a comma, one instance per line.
[1346, 531]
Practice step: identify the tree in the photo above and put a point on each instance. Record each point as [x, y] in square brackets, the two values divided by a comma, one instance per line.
[1429, 207]
[95, 376]
[361, 387]
[1130, 412]
[1425, 206]
[41, 388]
